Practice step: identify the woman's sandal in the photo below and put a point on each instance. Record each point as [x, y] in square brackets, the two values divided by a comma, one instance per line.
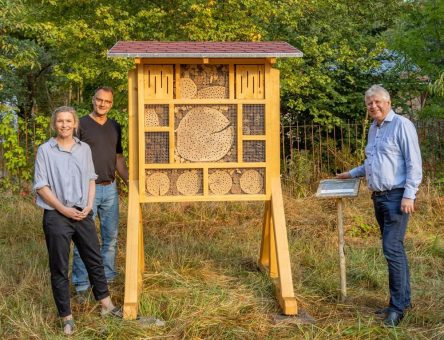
[115, 312]
[68, 330]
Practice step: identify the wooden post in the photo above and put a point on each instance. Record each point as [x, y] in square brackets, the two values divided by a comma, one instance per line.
[339, 188]
[285, 293]
[273, 266]
[134, 242]
[274, 257]
[264, 256]
[341, 244]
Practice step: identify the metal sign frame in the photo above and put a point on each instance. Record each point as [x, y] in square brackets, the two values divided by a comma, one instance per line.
[335, 188]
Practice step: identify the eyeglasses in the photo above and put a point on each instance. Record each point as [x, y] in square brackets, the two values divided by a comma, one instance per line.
[103, 101]
[375, 102]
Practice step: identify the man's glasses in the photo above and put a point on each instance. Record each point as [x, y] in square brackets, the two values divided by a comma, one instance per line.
[103, 101]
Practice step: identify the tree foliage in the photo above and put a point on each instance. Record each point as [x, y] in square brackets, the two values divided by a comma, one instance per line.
[418, 39]
[53, 52]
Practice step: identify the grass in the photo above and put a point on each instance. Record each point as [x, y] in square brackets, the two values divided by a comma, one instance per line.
[201, 274]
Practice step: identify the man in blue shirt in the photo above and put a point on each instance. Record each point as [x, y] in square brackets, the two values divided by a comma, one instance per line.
[393, 170]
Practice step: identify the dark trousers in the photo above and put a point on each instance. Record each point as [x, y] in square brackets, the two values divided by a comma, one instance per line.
[59, 231]
[393, 224]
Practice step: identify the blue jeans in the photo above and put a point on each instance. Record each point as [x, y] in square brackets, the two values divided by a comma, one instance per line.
[393, 224]
[106, 207]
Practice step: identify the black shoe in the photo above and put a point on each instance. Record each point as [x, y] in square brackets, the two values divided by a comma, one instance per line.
[382, 312]
[82, 297]
[393, 319]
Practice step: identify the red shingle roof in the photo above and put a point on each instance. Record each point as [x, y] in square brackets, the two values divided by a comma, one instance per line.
[192, 49]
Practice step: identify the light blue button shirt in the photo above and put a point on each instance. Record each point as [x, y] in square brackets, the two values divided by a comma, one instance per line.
[66, 173]
[393, 157]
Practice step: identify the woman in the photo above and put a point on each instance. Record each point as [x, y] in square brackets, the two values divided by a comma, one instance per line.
[65, 184]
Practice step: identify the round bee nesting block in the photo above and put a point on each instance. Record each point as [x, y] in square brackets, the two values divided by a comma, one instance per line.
[220, 182]
[157, 184]
[188, 88]
[204, 135]
[212, 92]
[151, 118]
[188, 183]
[251, 182]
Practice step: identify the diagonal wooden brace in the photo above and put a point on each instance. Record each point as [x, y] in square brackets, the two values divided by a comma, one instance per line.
[275, 257]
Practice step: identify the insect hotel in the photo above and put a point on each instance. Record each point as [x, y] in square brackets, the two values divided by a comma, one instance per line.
[204, 124]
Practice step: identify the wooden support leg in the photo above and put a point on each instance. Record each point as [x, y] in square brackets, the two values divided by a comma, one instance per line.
[134, 254]
[273, 269]
[264, 256]
[141, 254]
[285, 289]
[267, 257]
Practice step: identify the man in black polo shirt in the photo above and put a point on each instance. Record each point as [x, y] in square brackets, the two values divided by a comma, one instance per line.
[104, 136]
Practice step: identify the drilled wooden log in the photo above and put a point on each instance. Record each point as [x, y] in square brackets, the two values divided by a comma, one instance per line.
[157, 184]
[212, 92]
[188, 88]
[204, 135]
[220, 182]
[251, 182]
[151, 118]
[188, 183]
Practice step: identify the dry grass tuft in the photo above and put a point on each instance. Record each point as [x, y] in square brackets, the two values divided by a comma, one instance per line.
[201, 275]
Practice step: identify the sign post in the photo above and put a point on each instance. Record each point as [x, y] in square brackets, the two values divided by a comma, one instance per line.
[339, 188]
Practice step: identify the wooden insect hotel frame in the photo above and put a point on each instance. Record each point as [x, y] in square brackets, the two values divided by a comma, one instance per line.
[204, 123]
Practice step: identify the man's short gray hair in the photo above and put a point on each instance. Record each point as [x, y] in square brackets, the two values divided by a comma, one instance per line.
[377, 89]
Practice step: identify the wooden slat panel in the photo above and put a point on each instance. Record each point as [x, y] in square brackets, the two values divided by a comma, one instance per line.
[250, 82]
[158, 81]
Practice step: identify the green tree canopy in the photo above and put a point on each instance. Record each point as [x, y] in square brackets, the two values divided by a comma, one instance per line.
[53, 52]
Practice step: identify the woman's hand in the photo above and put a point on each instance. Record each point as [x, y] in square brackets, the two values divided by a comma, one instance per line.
[86, 211]
[72, 213]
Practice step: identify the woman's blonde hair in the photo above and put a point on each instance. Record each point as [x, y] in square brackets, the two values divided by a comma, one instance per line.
[64, 109]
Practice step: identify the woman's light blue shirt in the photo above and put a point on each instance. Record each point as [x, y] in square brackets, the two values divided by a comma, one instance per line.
[66, 173]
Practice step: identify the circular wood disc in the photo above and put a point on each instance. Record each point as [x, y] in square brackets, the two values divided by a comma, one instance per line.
[220, 182]
[204, 135]
[188, 183]
[251, 182]
[157, 184]
[212, 92]
[151, 118]
[188, 88]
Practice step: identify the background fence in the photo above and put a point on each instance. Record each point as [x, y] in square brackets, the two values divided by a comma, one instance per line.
[309, 152]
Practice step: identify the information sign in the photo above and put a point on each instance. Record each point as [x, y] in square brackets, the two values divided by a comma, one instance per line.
[331, 188]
